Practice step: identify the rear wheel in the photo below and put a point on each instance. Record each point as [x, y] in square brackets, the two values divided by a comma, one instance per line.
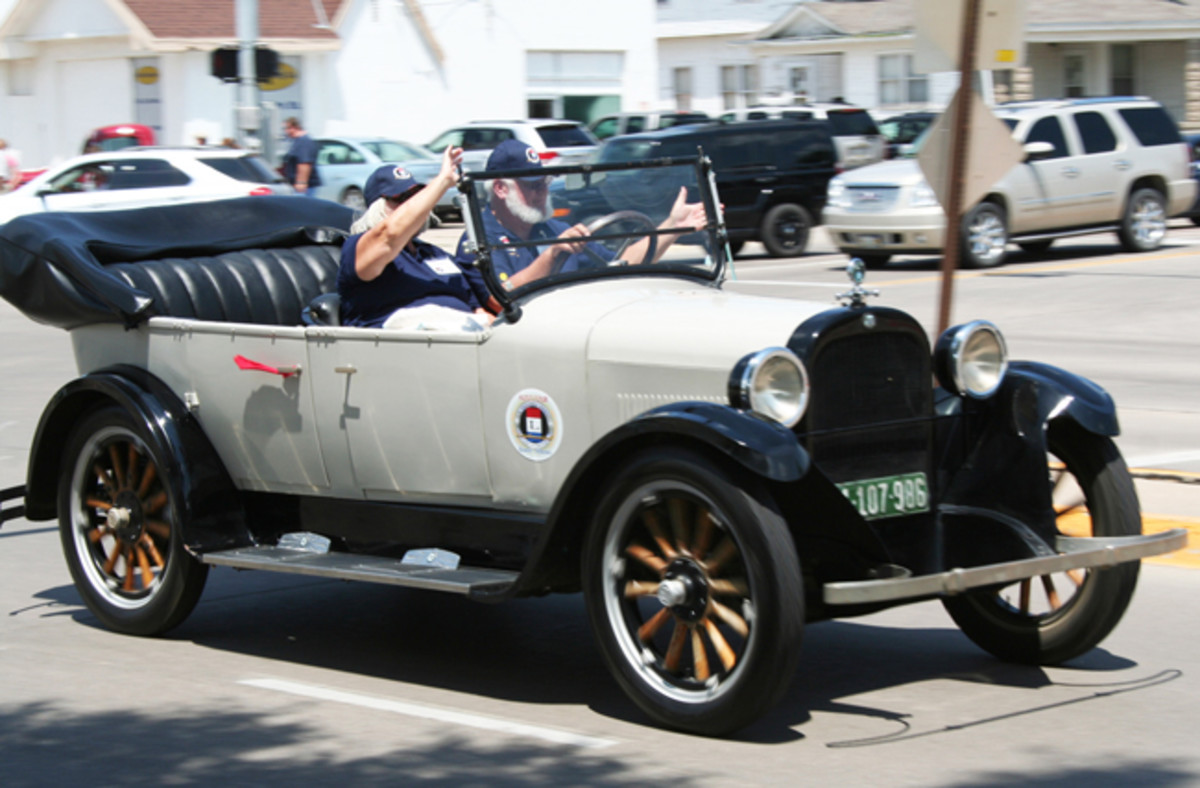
[352, 197]
[984, 236]
[693, 590]
[785, 230]
[121, 528]
[735, 248]
[1051, 619]
[1144, 224]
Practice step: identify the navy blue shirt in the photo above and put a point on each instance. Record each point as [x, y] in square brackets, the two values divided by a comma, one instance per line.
[509, 260]
[425, 275]
[303, 150]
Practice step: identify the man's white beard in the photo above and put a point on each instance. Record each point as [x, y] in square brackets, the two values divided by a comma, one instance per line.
[527, 213]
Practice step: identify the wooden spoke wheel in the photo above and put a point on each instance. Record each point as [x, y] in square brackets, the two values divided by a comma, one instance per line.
[121, 530]
[694, 592]
[1053, 618]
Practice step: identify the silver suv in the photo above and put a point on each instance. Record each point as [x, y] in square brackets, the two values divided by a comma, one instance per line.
[560, 142]
[1091, 164]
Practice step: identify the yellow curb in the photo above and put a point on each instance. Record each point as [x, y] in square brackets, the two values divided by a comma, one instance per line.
[1189, 556]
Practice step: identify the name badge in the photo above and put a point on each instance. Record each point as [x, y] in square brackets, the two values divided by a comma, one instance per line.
[443, 266]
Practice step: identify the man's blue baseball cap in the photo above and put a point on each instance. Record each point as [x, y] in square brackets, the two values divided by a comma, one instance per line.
[514, 155]
[390, 181]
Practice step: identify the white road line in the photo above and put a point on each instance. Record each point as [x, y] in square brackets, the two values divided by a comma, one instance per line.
[780, 283]
[431, 713]
[1152, 460]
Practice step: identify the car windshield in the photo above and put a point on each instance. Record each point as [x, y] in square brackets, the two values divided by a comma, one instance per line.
[626, 209]
[394, 150]
[851, 123]
[924, 135]
[565, 135]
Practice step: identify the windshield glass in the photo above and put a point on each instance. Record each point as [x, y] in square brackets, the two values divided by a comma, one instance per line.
[394, 150]
[556, 225]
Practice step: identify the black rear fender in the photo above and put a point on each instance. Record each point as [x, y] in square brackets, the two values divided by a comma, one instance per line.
[211, 516]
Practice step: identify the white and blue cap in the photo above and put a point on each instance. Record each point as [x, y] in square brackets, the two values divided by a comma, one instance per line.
[390, 181]
[515, 155]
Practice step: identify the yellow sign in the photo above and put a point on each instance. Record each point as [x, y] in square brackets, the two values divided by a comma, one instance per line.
[147, 75]
[284, 77]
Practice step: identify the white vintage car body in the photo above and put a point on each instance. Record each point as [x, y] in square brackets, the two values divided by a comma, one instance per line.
[711, 469]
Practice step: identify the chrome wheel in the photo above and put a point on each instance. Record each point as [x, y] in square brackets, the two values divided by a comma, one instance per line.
[984, 237]
[1144, 225]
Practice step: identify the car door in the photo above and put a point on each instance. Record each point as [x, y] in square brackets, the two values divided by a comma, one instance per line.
[341, 167]
[1042, 189]
[1104, 170]
[115, 184]
[398, 413]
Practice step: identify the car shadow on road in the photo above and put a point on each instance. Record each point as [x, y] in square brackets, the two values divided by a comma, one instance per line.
[540, 651]
[1064, 251]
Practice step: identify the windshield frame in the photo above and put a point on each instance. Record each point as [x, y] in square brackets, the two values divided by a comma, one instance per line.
[715, 239]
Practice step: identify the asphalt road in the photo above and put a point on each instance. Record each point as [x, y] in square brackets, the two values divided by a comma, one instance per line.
[283, 680]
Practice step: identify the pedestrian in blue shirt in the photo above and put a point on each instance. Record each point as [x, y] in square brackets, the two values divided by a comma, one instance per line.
[519, 209]
[300, 162]
[390, 279]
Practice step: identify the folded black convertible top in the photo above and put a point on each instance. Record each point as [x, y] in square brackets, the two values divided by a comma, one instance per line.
[52, 265]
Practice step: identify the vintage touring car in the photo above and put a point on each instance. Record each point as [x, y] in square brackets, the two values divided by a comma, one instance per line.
[713, 470]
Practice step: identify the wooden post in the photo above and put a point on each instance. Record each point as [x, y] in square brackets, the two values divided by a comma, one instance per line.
[958, 160]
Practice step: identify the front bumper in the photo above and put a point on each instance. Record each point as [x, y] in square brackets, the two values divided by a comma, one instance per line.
[1074, 553]
[916, 230]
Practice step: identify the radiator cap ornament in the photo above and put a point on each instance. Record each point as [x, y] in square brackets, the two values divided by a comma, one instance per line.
[856, 296]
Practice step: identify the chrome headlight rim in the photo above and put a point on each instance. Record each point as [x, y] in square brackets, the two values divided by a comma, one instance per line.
[954, 366]
[746, 395]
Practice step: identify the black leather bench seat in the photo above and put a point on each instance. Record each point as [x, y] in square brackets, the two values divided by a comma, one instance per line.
[263, 286]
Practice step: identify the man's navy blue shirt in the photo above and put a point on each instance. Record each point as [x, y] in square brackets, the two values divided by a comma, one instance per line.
[409, 280]
[303, 150]
[508, 260]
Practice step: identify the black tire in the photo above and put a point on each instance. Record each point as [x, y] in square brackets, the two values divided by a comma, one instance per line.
[353, 198]
[785, 230]
[1094, 496]
[874, 261]
[735, 248]
[680, 546]
[120, 524]
[1036, 247]
[1144, 223]
[984, 236]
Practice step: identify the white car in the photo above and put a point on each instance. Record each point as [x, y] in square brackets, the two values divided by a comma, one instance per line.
[858, 140]
[1091, 164]
[559, 142]
[138, 177]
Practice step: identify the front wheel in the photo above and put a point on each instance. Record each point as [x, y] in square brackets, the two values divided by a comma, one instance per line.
[984, 236]
[874, 261]
[1051, 619]
[1144, 224]
[120, 524]
[353, 198]
[693, 590]
[785, 230]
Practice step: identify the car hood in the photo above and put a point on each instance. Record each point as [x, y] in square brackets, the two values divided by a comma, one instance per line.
[897, 172]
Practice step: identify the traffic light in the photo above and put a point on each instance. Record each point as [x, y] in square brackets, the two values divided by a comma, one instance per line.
[225, 64]
[266, 64]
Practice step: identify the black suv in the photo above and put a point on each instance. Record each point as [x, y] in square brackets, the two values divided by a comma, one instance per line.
[771, 175]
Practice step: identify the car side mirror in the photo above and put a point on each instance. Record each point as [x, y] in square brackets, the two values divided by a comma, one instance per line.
[1037, 150]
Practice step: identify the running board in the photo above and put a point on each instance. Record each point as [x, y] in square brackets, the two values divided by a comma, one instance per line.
[1099, 552]
[469, 581]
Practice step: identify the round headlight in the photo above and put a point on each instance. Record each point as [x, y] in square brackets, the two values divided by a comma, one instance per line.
[771, 382]
[971, 359]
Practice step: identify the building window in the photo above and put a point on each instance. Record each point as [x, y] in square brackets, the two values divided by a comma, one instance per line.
[739, 86]
[798, 82]
[1122, 70]
[681, 82]
[1074, 76]
[20, 77]
[897, 82]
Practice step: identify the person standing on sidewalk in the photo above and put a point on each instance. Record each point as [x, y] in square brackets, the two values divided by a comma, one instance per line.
[300, 162]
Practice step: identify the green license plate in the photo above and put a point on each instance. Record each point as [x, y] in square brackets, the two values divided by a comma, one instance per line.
[888, 496]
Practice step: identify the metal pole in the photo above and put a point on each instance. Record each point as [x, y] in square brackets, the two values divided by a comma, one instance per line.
[958, 160]
[246, 17]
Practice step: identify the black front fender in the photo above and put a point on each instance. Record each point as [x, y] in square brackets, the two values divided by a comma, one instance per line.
[211, 515]
[764, 447]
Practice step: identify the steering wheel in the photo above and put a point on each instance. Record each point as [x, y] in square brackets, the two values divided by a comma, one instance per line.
[634, 217]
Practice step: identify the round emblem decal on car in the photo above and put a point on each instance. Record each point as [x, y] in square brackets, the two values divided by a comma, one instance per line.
[534, 425]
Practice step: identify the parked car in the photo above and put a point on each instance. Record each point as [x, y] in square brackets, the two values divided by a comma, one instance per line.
[1091, 164]
[144, 176]
[118, 137]
[1193, 143]
[901, 131]
[345, 163]
[557, 141]
[712, 469]
[858, 139]
[637, 122]
[771, 177]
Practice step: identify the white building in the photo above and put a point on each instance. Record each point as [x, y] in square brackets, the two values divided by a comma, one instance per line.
[404, 68]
